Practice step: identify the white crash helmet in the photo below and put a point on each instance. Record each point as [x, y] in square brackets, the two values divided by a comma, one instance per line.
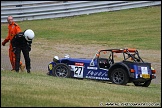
[29, 34]
[55, 58]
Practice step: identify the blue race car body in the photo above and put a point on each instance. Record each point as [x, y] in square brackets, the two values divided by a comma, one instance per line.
[103, 66]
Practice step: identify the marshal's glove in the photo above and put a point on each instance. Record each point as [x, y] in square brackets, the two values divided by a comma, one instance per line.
[4, 42]
[14, 49]
[29, 48]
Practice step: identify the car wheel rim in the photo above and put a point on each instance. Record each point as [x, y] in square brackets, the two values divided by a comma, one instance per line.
[118, 77]
[61, 71]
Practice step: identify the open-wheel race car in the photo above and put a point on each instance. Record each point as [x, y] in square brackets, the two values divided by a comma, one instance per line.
[120, 66]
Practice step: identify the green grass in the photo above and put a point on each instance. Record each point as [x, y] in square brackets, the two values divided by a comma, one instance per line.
[37, 89]
[138, 28]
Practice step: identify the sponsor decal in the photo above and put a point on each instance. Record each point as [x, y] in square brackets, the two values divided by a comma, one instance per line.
[99, 74]
[50, 66]
[94, 68]
[79, 64]
[99, 78]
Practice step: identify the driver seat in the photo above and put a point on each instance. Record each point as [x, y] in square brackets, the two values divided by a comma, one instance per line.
[103, 63]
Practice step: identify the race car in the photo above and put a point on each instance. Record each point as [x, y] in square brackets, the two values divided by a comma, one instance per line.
[119, 66]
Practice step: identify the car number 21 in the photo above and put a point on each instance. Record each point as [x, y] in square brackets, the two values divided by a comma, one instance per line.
[78, 71]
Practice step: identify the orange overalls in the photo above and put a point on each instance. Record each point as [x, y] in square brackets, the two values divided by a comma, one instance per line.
[13, 29]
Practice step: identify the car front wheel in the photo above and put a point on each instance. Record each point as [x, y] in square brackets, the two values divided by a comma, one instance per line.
[119, 76]
[61, 70]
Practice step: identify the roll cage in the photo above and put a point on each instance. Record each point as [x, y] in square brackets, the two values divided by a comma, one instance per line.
[128, 54]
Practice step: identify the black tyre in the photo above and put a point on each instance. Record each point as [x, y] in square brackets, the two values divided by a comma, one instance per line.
[143, 84]
[61, 70]
[137, 83]
[119, 76]
[147, 83]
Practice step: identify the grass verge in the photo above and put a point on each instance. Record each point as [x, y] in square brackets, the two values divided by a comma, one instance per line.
[39, 90]
[138, 28]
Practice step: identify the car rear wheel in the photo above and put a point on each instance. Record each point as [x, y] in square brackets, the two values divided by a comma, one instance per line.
[143, 84]
[119, 76]
[61, 70]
